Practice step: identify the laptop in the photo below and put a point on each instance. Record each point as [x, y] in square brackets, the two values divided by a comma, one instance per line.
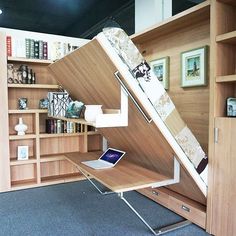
[107, 160]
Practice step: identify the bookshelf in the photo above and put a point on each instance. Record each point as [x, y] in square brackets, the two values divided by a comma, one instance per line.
[46, 163]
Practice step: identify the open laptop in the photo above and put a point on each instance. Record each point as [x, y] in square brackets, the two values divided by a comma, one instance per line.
[107, 160]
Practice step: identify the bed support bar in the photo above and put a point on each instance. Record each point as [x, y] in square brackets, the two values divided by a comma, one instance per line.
[117, 75]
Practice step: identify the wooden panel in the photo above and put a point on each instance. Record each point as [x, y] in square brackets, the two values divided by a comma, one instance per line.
[4, 147]
[94, 142]
[23, 172]
[59, 145]
[194, 109]
[223, 206]
[183, 206]
[225, 18]
[57, 168]
[87, 73]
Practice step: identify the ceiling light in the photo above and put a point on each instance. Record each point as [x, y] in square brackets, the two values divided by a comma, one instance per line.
[0, 11]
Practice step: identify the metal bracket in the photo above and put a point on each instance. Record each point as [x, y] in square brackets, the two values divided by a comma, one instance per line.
[103, 192]
[176, 178]
[117, 75]
[157, 231]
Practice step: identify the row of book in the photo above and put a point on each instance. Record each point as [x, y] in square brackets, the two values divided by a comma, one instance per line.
[37, 49]
[61, 126]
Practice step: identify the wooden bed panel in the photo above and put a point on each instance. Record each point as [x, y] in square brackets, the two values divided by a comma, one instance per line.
[88, 75]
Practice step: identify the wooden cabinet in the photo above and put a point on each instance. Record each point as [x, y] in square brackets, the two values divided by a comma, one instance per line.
[223, 214]
[46, 163]
[221, 205]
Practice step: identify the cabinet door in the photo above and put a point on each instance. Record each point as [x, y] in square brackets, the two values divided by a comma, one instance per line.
[224, 185]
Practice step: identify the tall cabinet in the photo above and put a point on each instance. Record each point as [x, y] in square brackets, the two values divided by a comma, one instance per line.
[221, 215]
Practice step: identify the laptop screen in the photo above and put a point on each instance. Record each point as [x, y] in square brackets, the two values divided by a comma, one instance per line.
[112, 155]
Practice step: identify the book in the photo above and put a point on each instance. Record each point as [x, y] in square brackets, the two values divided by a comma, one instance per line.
[45, 50]
[9, 46]
[31, 48]
[40, 49]
[27, 48]
[36, 49]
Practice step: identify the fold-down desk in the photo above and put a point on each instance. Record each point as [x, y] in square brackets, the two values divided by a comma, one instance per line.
[124, 177]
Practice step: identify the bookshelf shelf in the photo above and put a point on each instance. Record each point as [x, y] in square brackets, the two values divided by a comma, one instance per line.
[22, 137]
[229, 38]
[15, 162]
[60, 135]
[80, 121]
[34, 86]
[62, 178]
[29, 60]
[28, 111]
[49, 158]
[225, 79]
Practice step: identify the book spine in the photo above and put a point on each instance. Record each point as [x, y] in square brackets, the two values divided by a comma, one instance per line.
[40, 49]
[48, 126]
[31, 48]
[27, 48]
[45, 50]
[36, 49]
[9, 46]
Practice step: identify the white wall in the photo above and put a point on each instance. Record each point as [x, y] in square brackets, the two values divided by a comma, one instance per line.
[151, 12]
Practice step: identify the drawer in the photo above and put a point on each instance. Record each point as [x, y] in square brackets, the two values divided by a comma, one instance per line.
[196, 213]
[156, 195]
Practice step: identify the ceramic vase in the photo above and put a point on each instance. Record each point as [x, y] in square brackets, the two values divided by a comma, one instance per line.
[21, 127]
[91, 112]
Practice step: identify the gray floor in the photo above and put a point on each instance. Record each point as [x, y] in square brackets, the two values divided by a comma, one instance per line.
[78, 209]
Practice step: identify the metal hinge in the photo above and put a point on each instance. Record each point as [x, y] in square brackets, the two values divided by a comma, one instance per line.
[216, 134]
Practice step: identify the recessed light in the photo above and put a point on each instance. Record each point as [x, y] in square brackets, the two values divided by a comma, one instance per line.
[0, 11]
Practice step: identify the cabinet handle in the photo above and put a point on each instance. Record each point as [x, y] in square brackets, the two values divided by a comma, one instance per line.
[155, 192]
[216, 134]
[185, 208]
[149, 120]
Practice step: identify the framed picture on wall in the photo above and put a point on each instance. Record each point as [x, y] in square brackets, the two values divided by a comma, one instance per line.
[160, 68]
[194, 67]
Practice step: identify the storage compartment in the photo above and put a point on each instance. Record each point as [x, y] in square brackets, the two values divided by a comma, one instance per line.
[23, 175]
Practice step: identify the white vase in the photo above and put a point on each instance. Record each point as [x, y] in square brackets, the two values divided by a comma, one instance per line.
[21, 128]
[91, 112]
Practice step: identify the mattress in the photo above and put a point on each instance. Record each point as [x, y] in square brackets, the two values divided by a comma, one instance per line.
[143, 82]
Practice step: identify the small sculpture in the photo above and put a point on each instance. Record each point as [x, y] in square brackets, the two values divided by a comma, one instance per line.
[20, 127]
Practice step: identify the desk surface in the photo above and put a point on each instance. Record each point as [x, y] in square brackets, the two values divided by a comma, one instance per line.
[125, 176]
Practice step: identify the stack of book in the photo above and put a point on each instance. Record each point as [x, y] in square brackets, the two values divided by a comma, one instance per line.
[62, 126]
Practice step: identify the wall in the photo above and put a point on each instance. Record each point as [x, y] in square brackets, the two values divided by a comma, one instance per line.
[148, 13]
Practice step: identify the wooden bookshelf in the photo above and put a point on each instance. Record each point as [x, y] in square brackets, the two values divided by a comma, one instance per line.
[22, 137]
[225, 79]
[27, 111]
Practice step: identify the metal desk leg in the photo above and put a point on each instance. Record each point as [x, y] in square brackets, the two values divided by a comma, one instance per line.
[155, 231]
[106, 192]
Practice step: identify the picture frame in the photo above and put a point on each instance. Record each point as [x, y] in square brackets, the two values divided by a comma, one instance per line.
[160, 68]
[194, 67]
[22, 153]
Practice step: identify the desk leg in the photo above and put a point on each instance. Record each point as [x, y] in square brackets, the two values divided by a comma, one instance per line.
[155, 231]
[106, 192]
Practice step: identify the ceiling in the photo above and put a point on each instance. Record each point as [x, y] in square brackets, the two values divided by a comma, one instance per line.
[75, 18]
